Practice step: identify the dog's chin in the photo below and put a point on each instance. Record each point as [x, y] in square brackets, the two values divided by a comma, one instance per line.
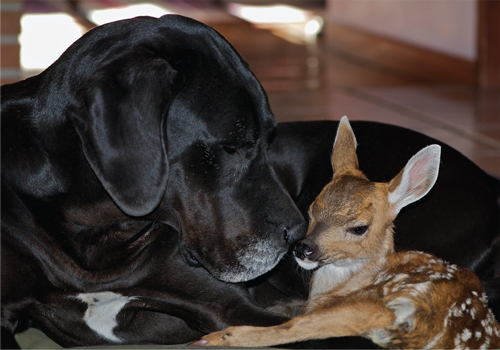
[307, 264]
[241, 275]
[252, 263]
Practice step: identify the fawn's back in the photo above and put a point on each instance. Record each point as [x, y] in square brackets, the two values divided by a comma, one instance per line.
[436, 304]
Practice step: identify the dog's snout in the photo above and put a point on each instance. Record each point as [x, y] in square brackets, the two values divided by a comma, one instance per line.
[294, 233]
[302, 250]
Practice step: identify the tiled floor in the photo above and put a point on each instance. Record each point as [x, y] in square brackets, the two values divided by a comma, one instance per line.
[312, 82]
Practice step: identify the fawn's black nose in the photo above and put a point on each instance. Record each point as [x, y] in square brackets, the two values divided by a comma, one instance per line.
[302, 251]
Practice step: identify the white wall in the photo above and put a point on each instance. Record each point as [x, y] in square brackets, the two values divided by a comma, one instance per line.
[446, 26]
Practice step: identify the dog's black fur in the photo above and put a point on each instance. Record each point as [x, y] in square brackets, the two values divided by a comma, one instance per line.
[144, 143]
[138, 164]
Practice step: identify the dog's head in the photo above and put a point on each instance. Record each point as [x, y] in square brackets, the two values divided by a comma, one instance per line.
[171, 118]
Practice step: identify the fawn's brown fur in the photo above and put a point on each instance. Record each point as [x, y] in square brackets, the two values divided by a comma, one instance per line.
[360, 285]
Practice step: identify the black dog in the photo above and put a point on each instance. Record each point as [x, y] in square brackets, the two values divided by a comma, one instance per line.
[137, 190]
[147, 139]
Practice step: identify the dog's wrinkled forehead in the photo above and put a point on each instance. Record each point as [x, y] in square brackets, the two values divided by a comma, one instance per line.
[227, 91]
[240, 125]
[234, 112]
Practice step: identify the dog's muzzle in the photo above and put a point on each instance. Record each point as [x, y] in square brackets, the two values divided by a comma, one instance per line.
[260, 256]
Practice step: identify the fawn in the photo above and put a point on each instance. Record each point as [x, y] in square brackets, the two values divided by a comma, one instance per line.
[361, 286]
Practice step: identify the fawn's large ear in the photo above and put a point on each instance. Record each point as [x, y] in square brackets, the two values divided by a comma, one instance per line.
[416, 179]
[344, 156]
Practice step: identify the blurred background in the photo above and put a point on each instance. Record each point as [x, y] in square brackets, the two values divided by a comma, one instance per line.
[429, 65]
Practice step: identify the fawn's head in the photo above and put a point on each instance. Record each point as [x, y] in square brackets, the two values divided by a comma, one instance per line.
[351, 220]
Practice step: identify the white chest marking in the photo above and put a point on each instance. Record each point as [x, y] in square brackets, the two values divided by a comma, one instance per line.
[327, 277]
[102, 309]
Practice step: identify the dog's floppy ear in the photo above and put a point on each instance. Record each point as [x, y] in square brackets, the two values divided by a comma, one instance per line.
[118, 115]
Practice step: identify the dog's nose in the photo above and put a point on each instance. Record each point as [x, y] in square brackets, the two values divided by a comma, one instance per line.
[293, 234]
[302, 250]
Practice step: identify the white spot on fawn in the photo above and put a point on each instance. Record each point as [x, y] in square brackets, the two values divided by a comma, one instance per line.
[466, 335]
[403, 310]
[380, 337]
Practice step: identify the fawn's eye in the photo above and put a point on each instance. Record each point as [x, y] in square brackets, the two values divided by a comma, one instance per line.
[359, 230]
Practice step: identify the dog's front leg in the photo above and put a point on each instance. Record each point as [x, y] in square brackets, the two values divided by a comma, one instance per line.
[292, 308]
[335, 322]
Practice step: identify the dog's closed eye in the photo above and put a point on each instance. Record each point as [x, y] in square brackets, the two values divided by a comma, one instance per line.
[230, 149]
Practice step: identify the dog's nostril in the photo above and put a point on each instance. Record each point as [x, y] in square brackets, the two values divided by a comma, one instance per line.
[286, 235]
[293, 233]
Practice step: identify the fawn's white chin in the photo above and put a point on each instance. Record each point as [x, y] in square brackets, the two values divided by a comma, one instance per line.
[307, 265]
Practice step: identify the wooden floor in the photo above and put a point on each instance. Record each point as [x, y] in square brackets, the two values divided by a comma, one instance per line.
[327, 81]
[365, 78]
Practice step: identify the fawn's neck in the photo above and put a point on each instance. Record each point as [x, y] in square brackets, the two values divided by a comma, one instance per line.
[344, 278]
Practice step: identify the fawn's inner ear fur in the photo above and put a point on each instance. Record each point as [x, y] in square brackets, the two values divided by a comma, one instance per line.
[416, 179]
[344, 156]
